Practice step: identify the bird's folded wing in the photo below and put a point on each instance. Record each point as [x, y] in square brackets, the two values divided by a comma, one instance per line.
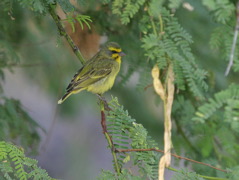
[90, 74]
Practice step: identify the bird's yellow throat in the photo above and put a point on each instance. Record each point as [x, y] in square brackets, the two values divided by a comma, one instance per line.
[117, 57]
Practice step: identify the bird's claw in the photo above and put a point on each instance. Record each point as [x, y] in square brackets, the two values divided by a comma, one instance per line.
[106, 106]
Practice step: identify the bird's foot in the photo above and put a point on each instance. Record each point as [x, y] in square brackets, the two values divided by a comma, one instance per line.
[103, 100]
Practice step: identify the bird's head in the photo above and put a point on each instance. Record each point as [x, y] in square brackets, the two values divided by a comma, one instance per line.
[113, 50]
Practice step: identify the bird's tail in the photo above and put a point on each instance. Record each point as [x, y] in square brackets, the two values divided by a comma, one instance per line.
[68, 93]
[64, 97]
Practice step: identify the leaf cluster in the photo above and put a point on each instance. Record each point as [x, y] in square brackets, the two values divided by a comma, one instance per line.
[126, 9]
[71, 18]
[206, 128]
[14, 164]
[225, 105]
[16, 125]
[186, 175]
[41, 6]
[125, 174]
[127, 134]
[224, 13]
[167, 42]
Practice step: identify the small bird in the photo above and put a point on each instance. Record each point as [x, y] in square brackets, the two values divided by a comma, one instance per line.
[98, 74]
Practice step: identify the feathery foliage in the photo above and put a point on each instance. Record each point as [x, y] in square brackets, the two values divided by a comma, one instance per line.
[164, 41]
[185, 175]
[223, 10]
[8, 55]
[127, 134]
[80, 19]
[14, 164]
[229, 101]
[17, 125]
[126, 9]
[224, 14]
[125, 174]
[172, 45]
[206, 118]
[174, 4]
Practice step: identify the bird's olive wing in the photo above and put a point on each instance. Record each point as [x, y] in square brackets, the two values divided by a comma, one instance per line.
[90, 74]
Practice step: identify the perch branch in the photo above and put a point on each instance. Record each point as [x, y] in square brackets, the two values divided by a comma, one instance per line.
[64, 33]
[108, 138]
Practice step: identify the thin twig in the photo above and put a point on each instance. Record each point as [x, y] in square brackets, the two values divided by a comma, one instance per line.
[161, 25]
[177, 156]
[64, 33]
[153, 25]
[108, 138]
[148, 86]
[234, 42]
[103, 122]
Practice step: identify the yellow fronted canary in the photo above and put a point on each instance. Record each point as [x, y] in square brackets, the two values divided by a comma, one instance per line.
[98, 74]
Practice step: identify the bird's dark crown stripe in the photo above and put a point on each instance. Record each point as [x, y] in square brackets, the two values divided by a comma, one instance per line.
[115, 49]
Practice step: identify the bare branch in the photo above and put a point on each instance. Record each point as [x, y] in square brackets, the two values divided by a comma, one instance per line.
[234, 42]
[175, 155]
[64, 33]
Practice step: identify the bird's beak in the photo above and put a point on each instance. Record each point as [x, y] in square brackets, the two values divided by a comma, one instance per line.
[122, 53]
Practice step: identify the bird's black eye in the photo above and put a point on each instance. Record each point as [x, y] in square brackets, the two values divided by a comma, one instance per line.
[113, 52]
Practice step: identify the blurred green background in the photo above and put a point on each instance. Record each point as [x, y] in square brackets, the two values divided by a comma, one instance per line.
[74, 145]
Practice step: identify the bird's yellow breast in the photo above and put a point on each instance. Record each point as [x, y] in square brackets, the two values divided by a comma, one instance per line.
[107, 82]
